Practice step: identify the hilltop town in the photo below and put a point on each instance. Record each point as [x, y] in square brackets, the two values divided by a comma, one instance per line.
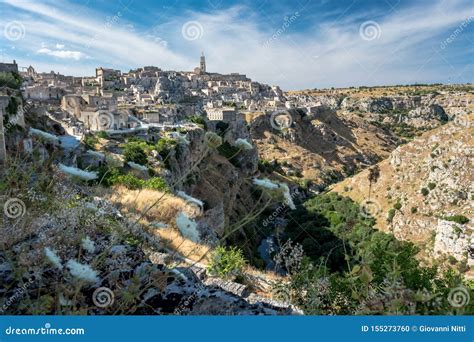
[193, 192]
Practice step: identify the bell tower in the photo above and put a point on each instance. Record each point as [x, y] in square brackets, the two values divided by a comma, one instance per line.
[202, 64]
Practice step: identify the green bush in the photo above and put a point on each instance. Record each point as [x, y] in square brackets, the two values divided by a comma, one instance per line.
[113, 176]
[12, 107]
[229, 151]
[134, 152]
[128, 180]
[102, 135]
[431, 186]
[10, 80]
[156, 183]
[460, 219]
[226, 262]
[391, 215]
[425, 191]
[414, 210]
[90, 141]
[398, 205]
[198, 120]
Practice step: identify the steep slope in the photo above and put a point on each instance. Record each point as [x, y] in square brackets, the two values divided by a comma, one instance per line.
[322, 147]
[424, 192]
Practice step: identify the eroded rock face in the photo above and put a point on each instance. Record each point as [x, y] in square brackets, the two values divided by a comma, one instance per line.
[422, 117]
[451, 237]
[431, 180]
[223, 183]
[321, 145]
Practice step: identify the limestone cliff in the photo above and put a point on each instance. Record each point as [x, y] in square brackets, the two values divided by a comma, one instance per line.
[424, 192]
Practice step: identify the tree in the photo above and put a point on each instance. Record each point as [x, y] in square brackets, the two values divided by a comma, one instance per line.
[374, 174]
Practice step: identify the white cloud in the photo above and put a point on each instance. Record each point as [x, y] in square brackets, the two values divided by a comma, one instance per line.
[330, 53]
[76, 55]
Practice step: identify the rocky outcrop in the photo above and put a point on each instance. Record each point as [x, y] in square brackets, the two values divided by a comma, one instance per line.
[424, 192]
[221, 181]
[321, 146]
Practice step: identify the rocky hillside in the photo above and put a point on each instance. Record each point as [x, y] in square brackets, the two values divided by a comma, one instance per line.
[336, 133]
[424, 192]
[321, 147]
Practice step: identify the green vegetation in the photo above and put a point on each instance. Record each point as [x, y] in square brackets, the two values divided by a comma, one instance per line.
[413, 210]
[114, 176]
[425, 191]
[431, 186]
[90, 141]
[351, 268]
[268, 166]
[226, 262]
[12, 107]
[228, 151]
[460, 219]
[391, 215]
[397, 206]
[198, 120]
[10, 80]
[102, 135]
[164, 147]
[134, 151]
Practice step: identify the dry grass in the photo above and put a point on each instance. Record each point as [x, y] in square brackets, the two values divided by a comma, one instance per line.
[135, 202]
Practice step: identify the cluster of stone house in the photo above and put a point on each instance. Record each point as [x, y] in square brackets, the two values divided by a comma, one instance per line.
[97, 112]
[109, 99]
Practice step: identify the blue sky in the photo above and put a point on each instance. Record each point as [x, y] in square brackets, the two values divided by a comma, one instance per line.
[296, 44]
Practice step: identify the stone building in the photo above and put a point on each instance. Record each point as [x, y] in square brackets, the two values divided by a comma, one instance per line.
[108, 78]
[221, 114]
[9, 67]
[43, 92]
